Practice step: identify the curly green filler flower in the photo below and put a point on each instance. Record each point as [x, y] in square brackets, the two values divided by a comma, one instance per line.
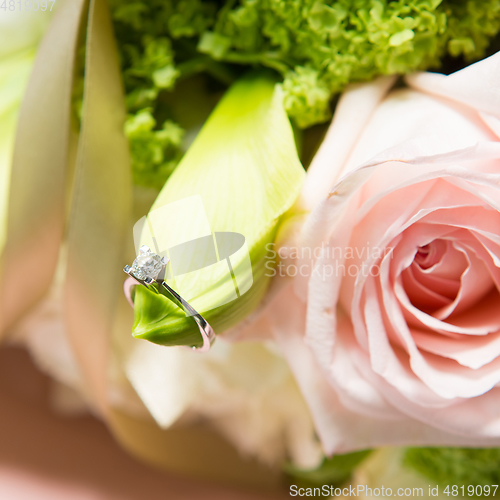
[318, 46]
[155, 153]
[325, 45]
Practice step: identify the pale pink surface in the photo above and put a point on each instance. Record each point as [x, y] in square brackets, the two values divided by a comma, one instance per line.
[402, 344]
[45, 456]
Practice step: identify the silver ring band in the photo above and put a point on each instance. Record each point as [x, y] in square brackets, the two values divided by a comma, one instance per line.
[153, 283]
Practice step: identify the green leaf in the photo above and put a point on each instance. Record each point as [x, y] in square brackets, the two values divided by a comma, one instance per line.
[244, 167]
[459, 466]
[332, 471]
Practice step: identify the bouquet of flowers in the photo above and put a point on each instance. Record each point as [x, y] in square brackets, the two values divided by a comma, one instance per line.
[288, 181]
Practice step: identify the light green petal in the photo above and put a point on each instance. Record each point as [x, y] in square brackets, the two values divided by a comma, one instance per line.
[245, 168]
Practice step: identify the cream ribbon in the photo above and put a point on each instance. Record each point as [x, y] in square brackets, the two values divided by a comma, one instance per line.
[100, 210]
[35, 220]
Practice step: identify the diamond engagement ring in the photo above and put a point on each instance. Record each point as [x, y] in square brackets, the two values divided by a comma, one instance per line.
[148, 270]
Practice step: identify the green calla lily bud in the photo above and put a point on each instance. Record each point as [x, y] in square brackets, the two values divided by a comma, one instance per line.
[217, 213]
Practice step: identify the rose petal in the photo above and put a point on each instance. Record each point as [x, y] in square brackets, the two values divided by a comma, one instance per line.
[409, 125]
[352, 113]
[421, 296]
[476, 85]
[386, 359]
[472, 352]
[479, 321]
[475, 283]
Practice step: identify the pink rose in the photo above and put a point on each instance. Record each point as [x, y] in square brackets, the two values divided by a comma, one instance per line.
[392, 321]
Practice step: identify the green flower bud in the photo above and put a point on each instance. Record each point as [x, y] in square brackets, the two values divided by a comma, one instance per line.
[217, 213]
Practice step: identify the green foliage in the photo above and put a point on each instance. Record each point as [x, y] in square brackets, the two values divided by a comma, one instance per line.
[317, 46]
[460, 466]
[332, 471]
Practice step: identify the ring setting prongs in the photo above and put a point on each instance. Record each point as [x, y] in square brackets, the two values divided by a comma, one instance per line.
[147, 267]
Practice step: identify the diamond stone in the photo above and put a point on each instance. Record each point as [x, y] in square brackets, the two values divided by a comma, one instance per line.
[147, 265]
